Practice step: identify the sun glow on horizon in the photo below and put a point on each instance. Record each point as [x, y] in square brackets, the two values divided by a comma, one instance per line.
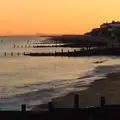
[55, 16]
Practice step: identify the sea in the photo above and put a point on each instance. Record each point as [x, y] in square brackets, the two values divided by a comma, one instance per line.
[37, 80]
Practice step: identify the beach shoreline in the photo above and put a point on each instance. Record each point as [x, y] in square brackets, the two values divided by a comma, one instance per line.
[108, 87]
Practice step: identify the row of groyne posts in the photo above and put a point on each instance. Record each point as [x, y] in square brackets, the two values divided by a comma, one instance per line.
[32, 46]
[28, 44]
[22, 46]
[42, 53]
[76, 104]
[41, 41]
[12, 54]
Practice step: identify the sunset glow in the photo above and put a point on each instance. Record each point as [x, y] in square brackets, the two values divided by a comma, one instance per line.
[55, 16]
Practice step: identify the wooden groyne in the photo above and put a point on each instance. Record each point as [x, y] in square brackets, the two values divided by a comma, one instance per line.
[64, 45]
[37, 46]
[102, 112]
[62, 53]
[30, 43]
[15, 53]
[75, 105]
[82, 52]
[22, 46]
[74, 53]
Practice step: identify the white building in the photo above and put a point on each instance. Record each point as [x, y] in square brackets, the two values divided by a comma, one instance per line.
[113, 24]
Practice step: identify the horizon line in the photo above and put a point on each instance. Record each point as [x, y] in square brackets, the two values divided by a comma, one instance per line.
[39, 34]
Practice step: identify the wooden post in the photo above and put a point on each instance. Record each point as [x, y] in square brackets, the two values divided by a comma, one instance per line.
[18, 54]
[50, 106]
[11, 53]
[23, 108]
[5, 53]
[74, 50]
[102, 101]
[61, 52]
[76, 101]
[68, 51]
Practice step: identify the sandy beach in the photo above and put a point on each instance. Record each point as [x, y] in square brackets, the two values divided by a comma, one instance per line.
[108, 87]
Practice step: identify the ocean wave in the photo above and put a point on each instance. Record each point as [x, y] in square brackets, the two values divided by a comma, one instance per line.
[44, 95]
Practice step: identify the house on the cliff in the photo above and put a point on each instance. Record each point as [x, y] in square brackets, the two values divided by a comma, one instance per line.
[113, 25]
[108, 30]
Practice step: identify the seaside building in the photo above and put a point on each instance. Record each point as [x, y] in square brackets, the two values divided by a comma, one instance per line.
[113, 24]
[108, 30]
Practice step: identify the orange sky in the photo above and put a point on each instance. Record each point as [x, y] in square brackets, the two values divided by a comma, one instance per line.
[55, 16]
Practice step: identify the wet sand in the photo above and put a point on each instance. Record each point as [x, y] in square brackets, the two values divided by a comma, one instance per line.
[108, 87]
